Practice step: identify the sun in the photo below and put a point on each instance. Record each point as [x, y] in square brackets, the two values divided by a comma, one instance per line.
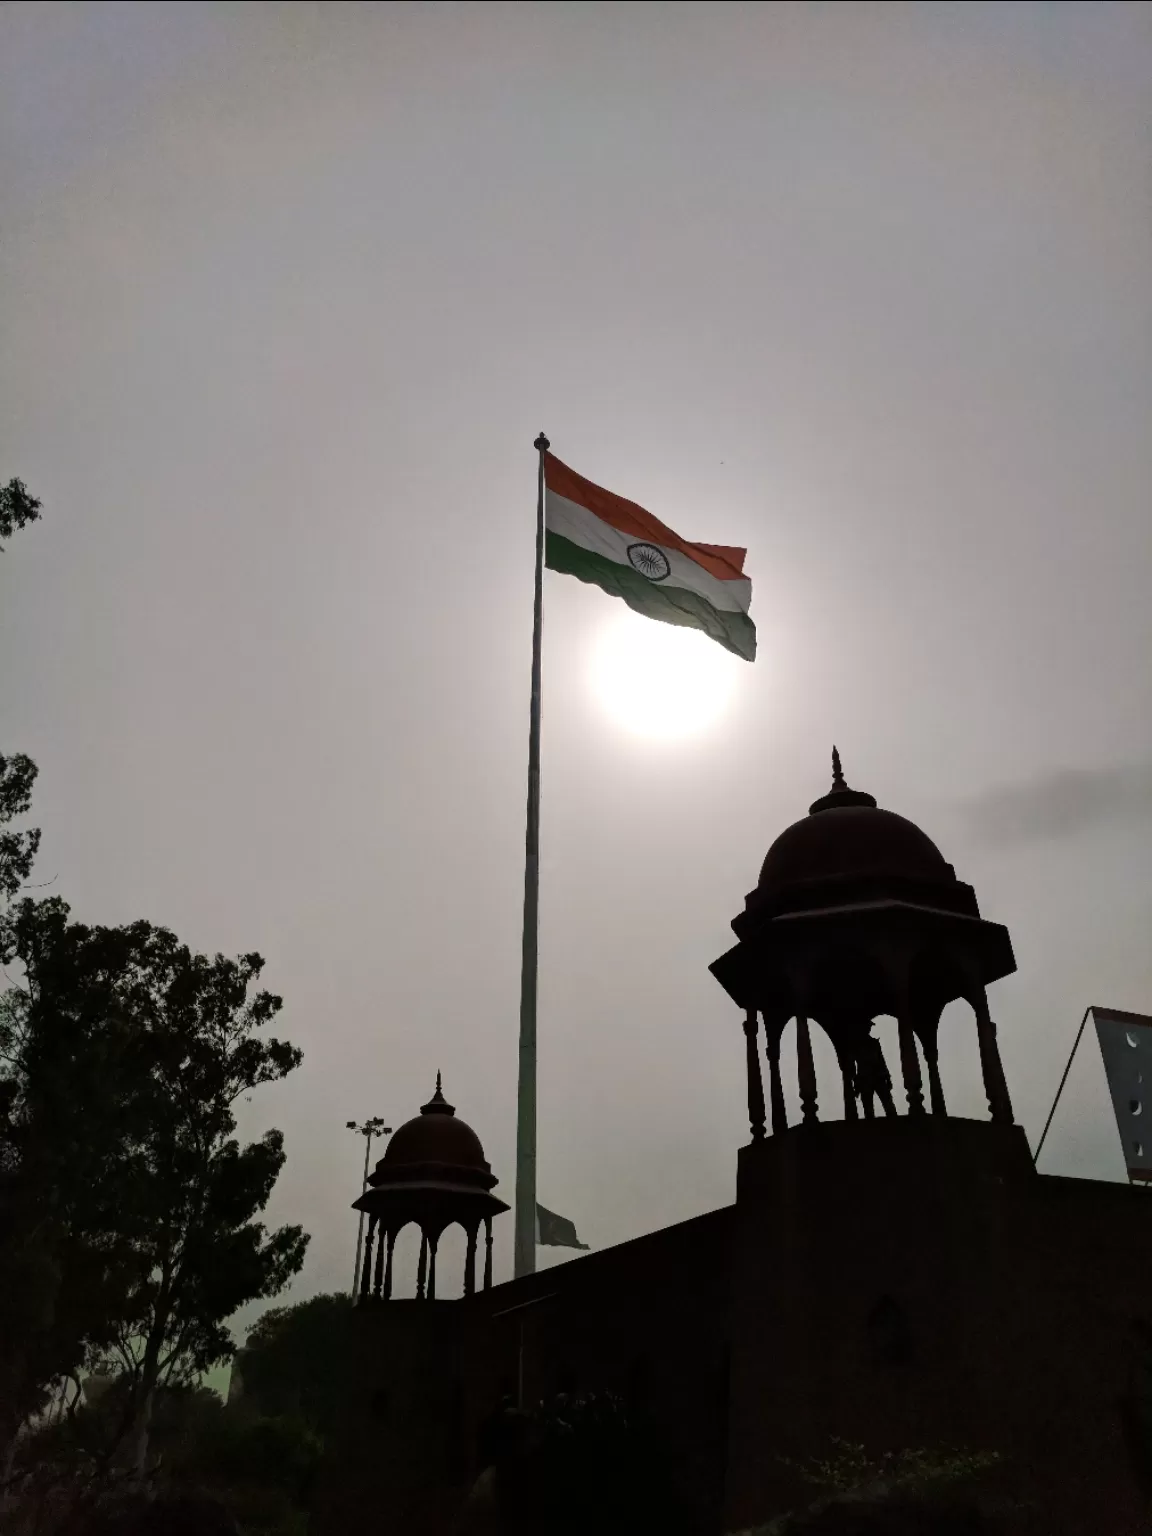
[659, 681]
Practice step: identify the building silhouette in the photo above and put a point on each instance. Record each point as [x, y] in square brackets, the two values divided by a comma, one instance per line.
[896, 1278]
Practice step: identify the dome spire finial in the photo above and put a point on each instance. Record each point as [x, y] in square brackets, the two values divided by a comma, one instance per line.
[438, 1104]
[840, 797]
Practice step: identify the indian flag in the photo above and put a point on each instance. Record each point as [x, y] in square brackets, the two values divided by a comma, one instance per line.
[617, 546]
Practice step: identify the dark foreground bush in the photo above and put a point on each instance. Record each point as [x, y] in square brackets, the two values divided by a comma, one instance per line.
[177, 1514]
[889, 1517]
[577, 1465]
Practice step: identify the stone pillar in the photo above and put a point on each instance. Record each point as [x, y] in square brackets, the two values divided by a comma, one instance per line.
[388, 1267]
[383, 1240]
[847, 1077]
[910, 1064]
[807, 1071]
[366, 1263]
[995, 1084]
[432, 1242]
[487, 1253]
[928, 1032]
[773, 1030]
[422, 1268]
[755, 1081]
[470, 1264]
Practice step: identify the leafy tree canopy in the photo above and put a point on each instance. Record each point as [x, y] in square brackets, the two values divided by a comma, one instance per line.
[293, 1361]
[124, 1054]
[17, 508]
[17, 849]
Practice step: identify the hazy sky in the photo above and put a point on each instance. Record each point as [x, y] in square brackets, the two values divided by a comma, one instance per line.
[288, 290]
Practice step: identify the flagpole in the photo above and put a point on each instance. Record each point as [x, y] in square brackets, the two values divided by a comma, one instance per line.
[525, 1255]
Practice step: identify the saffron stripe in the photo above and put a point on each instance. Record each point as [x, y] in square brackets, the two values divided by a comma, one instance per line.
[575, 523]
[721, 561]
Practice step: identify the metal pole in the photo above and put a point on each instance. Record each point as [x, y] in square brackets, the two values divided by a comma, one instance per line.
[1060, 1090]
[525, 1251]
[370, 1128]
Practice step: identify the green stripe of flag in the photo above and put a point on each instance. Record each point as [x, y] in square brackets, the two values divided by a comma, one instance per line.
[673, 605]
[554, 1231]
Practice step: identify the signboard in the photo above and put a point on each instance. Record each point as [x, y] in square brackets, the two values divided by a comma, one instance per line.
[1126, 1047]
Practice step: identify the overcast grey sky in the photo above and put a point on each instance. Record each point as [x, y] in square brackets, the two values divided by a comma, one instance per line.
[287, 292]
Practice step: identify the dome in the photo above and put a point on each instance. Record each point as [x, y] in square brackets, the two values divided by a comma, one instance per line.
[434, 1136]
[845, 834]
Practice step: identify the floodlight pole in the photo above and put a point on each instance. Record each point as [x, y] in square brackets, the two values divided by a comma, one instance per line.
[370, 1128]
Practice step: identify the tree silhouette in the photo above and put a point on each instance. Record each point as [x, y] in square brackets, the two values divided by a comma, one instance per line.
[17, 849]
[17, 774]
[17, 508]
[293, 1361]
[123, 1054]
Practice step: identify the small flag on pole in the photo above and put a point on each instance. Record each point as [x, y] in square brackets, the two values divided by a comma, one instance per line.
[554, 1231]
[617, 546]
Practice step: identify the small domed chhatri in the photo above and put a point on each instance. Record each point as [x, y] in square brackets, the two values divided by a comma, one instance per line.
[435, 1174]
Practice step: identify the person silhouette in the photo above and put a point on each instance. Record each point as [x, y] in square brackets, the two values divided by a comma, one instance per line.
[873, 1080]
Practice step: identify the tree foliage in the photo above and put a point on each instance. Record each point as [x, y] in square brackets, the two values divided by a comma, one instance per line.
[17, 849]
[18, 773]
[945, 1490]
[848, 1467]
[292, 1362]
[123, 1054]
[223, 1464]
[17, 508]
[58, 1137]
[129, 1228]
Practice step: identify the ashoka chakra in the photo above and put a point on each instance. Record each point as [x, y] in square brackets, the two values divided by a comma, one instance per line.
[649, 561]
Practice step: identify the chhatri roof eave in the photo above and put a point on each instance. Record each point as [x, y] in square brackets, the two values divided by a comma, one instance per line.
[881, 903]
[428, 1196]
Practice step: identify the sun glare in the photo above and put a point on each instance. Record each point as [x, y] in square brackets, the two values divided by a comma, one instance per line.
[659, 681]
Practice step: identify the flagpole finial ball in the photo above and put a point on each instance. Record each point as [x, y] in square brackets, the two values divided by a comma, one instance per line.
[541, 444]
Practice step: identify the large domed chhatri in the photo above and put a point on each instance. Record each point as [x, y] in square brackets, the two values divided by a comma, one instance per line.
[858, 915]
